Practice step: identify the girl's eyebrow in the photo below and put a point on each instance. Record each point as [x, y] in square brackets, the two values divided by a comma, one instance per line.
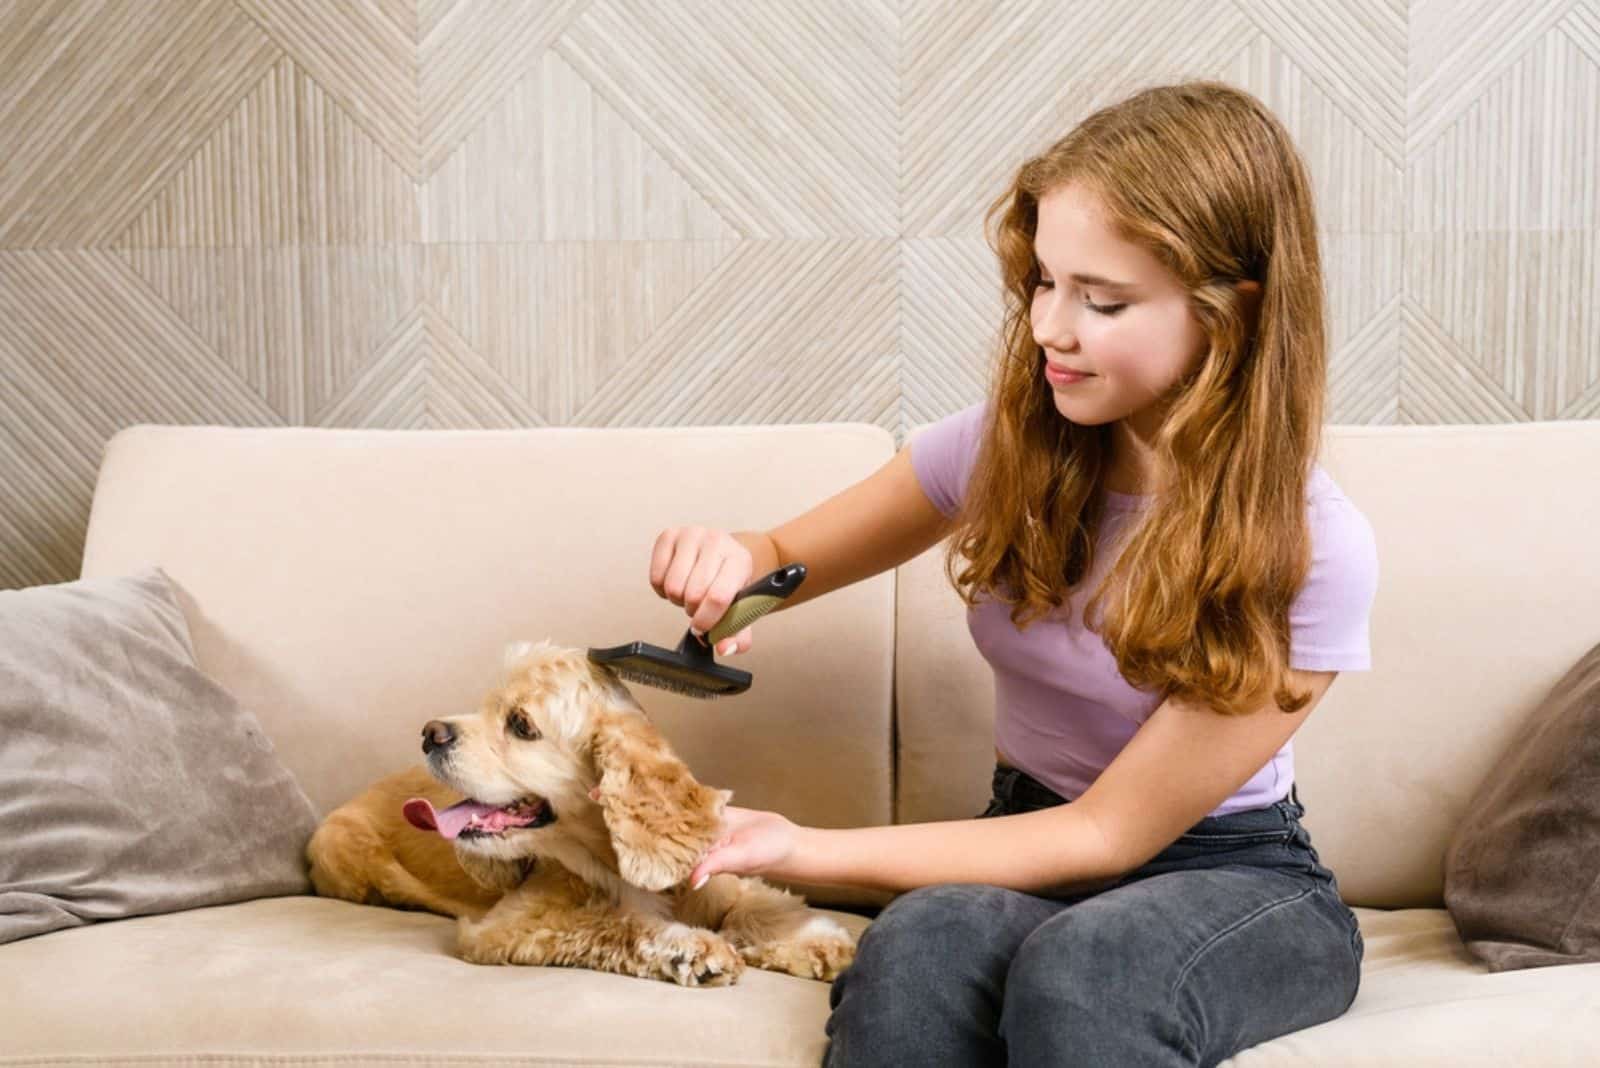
[1089, 279]
[1098, 282]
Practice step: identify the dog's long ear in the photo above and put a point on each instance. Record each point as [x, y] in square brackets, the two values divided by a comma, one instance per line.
[660, 818]
[492, 873]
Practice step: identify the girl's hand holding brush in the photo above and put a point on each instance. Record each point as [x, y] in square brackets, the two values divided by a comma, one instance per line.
[702, 570]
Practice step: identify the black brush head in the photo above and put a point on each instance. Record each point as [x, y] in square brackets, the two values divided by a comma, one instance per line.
[685, 670]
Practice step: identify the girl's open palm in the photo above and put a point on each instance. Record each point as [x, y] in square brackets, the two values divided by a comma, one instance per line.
[753, 841]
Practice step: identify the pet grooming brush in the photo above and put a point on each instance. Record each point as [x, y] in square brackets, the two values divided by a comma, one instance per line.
[690, 669]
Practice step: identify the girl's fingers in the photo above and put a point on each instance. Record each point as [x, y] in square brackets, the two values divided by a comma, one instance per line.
[739, 643]
[684, 556]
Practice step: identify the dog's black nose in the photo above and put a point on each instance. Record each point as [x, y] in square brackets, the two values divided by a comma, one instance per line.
[436, 734]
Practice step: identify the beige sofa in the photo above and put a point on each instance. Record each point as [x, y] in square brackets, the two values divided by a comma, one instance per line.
[349, 585]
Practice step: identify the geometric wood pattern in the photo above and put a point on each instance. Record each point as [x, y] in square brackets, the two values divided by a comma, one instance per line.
[464, 213]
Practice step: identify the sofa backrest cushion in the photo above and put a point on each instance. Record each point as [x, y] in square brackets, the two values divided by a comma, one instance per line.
[348, 585]
[1488, 590]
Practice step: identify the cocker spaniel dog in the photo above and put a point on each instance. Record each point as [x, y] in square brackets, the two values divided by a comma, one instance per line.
[573, 843]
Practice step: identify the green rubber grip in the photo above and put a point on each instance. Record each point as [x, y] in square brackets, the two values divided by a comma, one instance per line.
[741, 614]
[755, 601]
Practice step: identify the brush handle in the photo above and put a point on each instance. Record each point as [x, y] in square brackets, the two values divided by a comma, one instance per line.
[755, 601]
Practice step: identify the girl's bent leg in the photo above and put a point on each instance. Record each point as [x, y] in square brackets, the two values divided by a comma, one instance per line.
[1183, 968]
[928, 977]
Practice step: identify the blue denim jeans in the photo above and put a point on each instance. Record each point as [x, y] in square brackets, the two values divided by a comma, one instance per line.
[1232, 935]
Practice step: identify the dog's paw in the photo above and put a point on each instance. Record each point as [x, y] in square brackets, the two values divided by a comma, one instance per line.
[691, 956]
[821, 950]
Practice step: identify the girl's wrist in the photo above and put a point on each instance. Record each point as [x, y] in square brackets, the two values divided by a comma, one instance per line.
[808, 859]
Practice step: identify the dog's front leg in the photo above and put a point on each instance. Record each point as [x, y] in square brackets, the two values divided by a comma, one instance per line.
[771, 928]
[554, 919]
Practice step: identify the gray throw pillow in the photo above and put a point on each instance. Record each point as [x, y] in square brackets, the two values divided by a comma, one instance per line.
[1522, 874]
[130, 783]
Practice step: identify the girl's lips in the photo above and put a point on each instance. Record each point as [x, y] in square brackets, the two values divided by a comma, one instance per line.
[1061, 376]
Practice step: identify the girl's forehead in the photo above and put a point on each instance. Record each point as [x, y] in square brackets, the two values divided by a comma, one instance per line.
[1074, 239]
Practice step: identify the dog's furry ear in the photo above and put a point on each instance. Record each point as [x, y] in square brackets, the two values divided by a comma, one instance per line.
[492, 873]
[661, 819]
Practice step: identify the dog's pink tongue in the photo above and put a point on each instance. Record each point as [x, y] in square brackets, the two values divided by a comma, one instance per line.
[420, 813]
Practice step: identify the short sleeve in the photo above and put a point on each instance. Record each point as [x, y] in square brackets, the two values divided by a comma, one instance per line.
[943, 455]
[1328, 620]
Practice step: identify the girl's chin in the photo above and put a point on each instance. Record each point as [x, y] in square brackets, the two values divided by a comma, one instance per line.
[1077, 411]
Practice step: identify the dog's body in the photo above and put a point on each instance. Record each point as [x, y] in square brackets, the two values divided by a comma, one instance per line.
[579, 845]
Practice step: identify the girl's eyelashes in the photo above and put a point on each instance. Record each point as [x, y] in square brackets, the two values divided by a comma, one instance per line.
[1102, 309]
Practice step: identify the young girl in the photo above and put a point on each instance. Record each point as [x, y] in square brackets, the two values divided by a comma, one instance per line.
[1164, 583]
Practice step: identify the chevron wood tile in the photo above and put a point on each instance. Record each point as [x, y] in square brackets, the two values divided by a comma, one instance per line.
[287, 166]
[78, 333]
[362, 56]
[1440, 382]
[951, 308]
[1354, 51]
[1520, 309]
[1365, 279]
[471, 52]
[557, 321]
[48, 477]
[983, 85]
[554, 161]
[776, 333]
[1355, 167]
[84, 324]
[781, 115]
[295, 322]
[99, 103]
[1541, 115]
[456, 213]
[417, 77]
[1582, 27]
[1457, 45]
[426, 377]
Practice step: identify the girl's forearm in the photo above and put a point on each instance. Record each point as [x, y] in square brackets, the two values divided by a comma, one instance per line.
[1055, 849]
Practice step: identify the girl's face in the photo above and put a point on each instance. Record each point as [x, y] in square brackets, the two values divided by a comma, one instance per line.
[1115, 325]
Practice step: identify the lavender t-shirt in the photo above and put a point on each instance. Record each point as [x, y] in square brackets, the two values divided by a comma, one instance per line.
[1062, 709]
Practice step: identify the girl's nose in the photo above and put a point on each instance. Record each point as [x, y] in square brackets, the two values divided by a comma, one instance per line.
[1053, 326]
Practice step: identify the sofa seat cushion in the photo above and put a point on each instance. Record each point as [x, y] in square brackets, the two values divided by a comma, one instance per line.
[311, 980]
[1425, 1000]
[302, 980]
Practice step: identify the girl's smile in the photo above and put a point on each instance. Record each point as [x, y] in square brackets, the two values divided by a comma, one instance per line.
[1061, 377]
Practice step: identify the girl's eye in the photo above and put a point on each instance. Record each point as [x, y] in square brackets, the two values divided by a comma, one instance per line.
[522, 728]
[1101, 309]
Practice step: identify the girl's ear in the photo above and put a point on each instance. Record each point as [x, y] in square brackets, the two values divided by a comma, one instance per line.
[661, 820]
[1250, 296]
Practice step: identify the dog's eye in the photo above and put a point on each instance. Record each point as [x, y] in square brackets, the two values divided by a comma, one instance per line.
[523, 728]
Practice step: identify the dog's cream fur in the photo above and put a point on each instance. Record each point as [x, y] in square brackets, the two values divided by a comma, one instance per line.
[602, 886]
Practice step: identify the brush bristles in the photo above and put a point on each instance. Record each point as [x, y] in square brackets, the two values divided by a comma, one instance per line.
[663, 682]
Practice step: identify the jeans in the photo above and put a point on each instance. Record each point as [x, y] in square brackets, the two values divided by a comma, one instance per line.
[1232, 935]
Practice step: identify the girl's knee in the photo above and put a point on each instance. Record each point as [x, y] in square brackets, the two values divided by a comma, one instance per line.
[1091, 962]
[948, 922]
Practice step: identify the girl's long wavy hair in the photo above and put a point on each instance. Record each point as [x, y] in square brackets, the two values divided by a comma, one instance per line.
[1196, 606]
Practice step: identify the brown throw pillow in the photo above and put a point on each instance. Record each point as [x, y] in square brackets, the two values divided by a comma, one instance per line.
[130, 783]
[1522, 874]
